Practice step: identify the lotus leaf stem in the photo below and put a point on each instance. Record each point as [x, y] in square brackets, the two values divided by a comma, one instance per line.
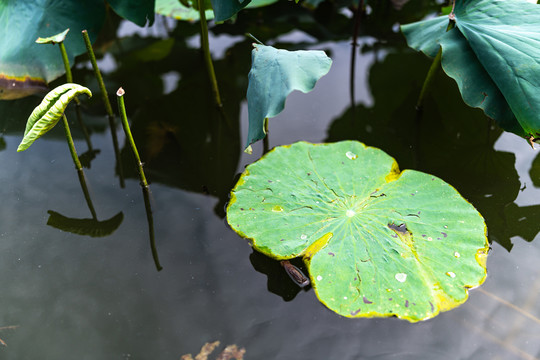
[205, 44]
[144, 184]
[108, 106]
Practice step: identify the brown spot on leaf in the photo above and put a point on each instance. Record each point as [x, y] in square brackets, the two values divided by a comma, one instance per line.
[354, 313]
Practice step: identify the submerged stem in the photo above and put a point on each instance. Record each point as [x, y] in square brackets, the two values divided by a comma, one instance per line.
[144, 184]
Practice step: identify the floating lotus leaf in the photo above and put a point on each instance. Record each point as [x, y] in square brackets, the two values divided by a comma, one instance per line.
[46, 115]
[274, 74]
[493, 55]
[376, 241]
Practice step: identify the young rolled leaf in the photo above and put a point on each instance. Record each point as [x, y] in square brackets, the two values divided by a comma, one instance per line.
[55, 39]
[273, 76]
[377, 242]
[493, 54]
[46, 115]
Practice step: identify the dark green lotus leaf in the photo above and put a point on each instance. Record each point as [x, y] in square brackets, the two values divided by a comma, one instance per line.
[503, 61]
[274, 74]
[46, 115]
[26, 67]
[141, 12]
[376, 241]
[225, 9]
[89, 227]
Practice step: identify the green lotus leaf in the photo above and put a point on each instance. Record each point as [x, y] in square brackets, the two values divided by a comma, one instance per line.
[376, 241]
[27, 67]
[46, 115]
[497, 51]
[274, 74]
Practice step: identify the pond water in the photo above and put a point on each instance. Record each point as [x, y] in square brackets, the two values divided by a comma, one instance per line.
[73, 296]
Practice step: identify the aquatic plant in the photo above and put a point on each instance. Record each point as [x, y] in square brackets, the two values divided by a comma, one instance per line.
[376, 241]
[492, 53]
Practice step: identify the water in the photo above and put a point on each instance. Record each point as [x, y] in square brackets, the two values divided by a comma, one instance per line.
[74, 296]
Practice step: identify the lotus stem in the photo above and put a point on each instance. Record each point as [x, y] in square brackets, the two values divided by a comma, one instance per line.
[435, 65]
[122, 110]
[254, 38]
[429, 79]
[99, 78]
[358, 14]
[71, 145]
[207, 58]
[150, 219]
[108, 106]
[144, 184]
[69, 76]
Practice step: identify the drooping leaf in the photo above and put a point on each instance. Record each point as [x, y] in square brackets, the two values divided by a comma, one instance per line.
[274, 74]
[376, 241]
[225, 9]
[503, 61]
[46, 115]
[89, 227]
[141, 12]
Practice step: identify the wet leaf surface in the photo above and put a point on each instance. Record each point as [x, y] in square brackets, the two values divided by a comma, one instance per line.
[376, 242]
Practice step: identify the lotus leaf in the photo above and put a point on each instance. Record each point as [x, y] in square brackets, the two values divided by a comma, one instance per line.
[376, 241]
[46, 115]
[493, 55]
[274, 74]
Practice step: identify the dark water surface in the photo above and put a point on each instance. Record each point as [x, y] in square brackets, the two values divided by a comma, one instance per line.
[78, 297]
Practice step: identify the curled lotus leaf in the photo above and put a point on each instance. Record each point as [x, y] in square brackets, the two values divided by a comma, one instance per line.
[46, 115]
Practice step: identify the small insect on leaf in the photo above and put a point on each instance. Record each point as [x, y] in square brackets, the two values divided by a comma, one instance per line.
[295, 274]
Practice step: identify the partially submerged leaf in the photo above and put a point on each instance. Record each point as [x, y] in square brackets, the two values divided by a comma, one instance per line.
[494, 48]
[273, 76]
[376, 241]
[46, 115]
